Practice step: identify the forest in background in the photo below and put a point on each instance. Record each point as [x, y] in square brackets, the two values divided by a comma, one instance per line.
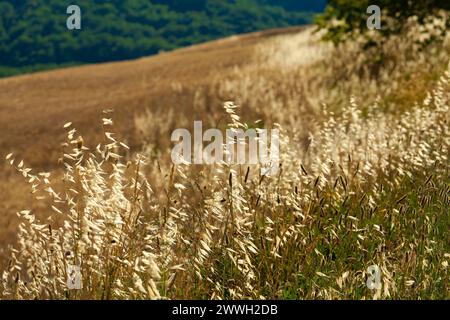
[34, 36]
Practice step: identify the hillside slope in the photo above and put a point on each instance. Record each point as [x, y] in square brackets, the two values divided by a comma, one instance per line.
[34, 35]
[362, 180]
[34, 108]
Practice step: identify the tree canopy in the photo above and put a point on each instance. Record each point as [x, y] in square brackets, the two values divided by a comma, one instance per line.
[33, 33]
[352, 15]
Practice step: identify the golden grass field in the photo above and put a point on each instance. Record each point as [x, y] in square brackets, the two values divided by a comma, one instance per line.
[33, 108]
[364, 176]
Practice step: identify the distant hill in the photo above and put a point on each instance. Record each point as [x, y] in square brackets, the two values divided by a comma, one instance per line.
[34, 36]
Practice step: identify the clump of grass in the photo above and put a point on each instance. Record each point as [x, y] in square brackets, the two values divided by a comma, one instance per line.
[371, 188]
[96, 224]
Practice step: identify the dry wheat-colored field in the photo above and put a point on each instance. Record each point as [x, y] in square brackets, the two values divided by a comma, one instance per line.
[363, 178]
[34, 107]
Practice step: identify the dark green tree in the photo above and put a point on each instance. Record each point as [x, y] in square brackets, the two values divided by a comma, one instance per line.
[353, 15]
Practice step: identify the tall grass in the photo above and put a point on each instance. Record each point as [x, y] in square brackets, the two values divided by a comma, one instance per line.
[358, 186]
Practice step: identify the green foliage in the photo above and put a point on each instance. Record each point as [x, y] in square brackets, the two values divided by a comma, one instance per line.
[352, 15]
[33, 32]
[425, 22]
